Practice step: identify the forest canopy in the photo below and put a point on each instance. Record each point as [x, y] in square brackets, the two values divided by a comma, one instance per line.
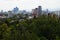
[41, 28]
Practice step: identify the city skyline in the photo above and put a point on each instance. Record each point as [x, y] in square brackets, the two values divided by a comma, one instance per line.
[29, 4]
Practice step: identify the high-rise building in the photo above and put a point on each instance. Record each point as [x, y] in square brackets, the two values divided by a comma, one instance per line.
[10, 14]
[39, 10]
[35, 12]
[15, 10]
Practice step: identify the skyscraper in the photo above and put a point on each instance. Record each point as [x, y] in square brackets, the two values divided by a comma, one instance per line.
[39, 10]
[15, 10]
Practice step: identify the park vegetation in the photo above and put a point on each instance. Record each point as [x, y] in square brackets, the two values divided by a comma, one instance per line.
[40, 28]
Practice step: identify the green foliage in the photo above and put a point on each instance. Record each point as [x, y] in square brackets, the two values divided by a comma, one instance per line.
[41, 28]
[43, 38]
[57, 38]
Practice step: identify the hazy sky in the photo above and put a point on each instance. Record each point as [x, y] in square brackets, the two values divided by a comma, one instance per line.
[29, 4]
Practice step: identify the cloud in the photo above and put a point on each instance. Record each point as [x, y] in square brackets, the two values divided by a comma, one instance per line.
[29, 4]
[9, 0]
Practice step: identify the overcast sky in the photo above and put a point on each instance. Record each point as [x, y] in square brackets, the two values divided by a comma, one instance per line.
[29, 4]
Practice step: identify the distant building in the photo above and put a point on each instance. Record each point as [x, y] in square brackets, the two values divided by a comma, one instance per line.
[10, 14]
[39, 10]
[16, 10]
[35, 12]
[1, 11]
[2, 16]
[56, 12]
[24, 12]
[45, 12]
